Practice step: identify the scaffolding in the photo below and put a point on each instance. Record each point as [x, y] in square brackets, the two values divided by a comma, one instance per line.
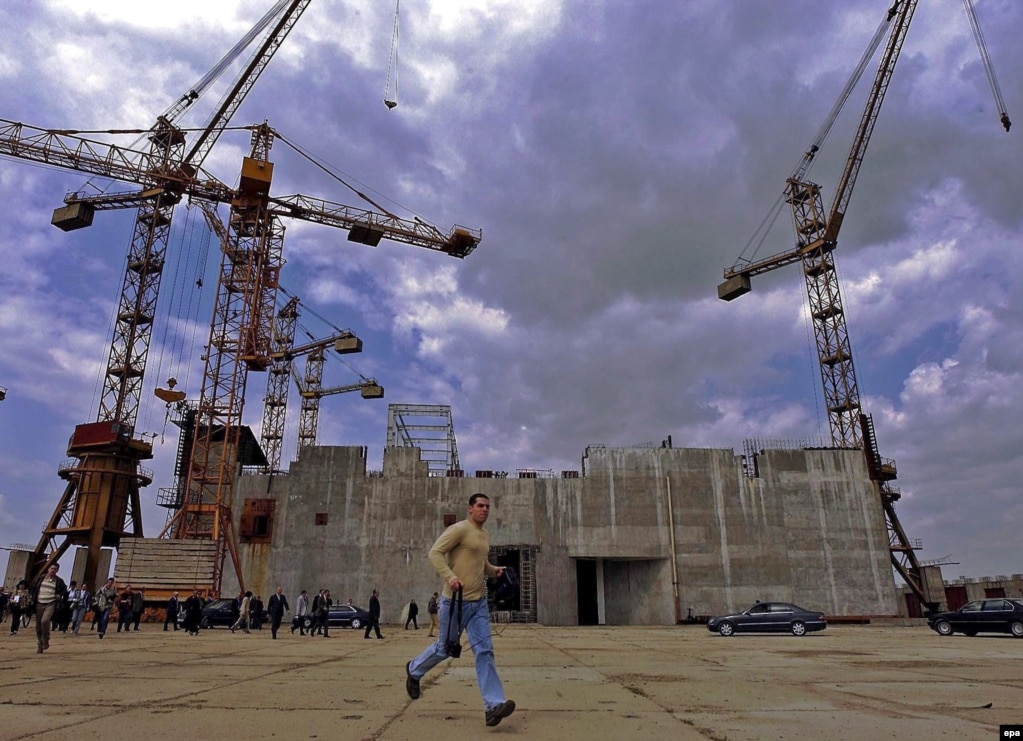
[427, 427]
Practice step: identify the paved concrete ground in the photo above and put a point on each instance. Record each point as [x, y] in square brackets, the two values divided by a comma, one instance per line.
[862, 682]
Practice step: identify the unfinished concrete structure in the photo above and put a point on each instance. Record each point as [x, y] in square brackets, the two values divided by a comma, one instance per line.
[639, 536]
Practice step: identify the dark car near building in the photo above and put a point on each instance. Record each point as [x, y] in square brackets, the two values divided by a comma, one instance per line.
[981, 616]
[222, 612]
[769, 617]
[343, 616]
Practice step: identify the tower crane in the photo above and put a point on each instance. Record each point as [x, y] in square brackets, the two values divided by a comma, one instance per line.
[103, 479]
[816, 233]
[251, 261]
[311, 390]
[283, 353]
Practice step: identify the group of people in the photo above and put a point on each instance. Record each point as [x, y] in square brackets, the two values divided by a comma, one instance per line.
[49, 601]
[68, 613]
[460, 557]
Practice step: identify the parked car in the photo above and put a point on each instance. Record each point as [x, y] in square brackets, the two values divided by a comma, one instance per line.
[769, 617]
[343, 616]
[221, 612]
[981, 616]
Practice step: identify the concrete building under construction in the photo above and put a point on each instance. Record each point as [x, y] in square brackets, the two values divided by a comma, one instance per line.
[638, 536]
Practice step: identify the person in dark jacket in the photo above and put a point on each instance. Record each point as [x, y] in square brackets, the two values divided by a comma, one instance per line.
[48, 593]
[138, 606]
[277, 605]
[431, 608]
[124, 603]
[173, 605]
[413, 613]
[374, 615]
[21, 603]
[193, 614]
[324, 614]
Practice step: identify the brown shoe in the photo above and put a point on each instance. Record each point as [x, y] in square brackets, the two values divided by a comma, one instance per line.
[411, 683]
[497, 712]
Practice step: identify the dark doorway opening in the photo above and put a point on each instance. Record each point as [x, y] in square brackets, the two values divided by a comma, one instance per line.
[505, 598]
[586, 580]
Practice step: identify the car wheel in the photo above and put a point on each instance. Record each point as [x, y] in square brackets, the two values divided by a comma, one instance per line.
[726, 629]
[356, 623]
[308, 623]
[798, 628]
[943, 627]
[205, 623]
[1016, 629]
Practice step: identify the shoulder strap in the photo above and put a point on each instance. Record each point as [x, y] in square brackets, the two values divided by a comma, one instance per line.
[456, 604]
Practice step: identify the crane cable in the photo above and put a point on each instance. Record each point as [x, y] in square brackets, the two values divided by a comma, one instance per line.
[327, 169]
[391, 100]
[989, 70]
[801, 170]
[309, 310]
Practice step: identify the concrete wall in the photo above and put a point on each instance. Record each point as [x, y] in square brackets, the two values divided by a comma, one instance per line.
[809, 530]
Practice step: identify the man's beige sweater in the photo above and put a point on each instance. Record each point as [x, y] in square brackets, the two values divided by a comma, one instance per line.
[462, 551]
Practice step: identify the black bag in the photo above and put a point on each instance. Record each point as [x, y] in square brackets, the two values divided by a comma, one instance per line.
[453, 645]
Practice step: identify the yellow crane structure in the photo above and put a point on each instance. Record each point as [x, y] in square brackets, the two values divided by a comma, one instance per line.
[101, 504]
[816, 232]
[104, 481]
[311, 391]
[283, 353]
[240, 332]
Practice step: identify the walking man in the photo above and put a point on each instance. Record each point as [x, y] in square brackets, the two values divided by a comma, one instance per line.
[48, 593]
[243, 613]
[124, 604]
[314, 611]
[138, 606]
[65, 610]
[173, 605]
[460, 557]
[431, 609]
[82, 600]
[323, 616]
[413, 613]
[374, 615]
[277, 605]
[301, 610]
[105, 599]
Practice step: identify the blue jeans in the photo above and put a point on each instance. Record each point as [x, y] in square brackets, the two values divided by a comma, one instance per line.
[104, 620]
[476, 624]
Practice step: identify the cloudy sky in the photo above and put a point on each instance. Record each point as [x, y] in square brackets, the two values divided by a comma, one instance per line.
[617, 156]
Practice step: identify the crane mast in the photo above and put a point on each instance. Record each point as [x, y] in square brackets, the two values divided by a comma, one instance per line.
[816, 233]
[311, 390]
[239, 341]
[240, 334]
[283, 352]
[275, 405]
[100, 503]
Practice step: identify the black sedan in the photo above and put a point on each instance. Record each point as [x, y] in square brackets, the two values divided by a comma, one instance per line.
[981, 616]
[223, 612]
[769, 617]
[343, 616]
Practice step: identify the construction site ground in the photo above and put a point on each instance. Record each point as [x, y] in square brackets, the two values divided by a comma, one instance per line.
[855, 682]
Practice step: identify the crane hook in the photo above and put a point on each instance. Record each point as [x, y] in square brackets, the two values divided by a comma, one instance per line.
[391, 101]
